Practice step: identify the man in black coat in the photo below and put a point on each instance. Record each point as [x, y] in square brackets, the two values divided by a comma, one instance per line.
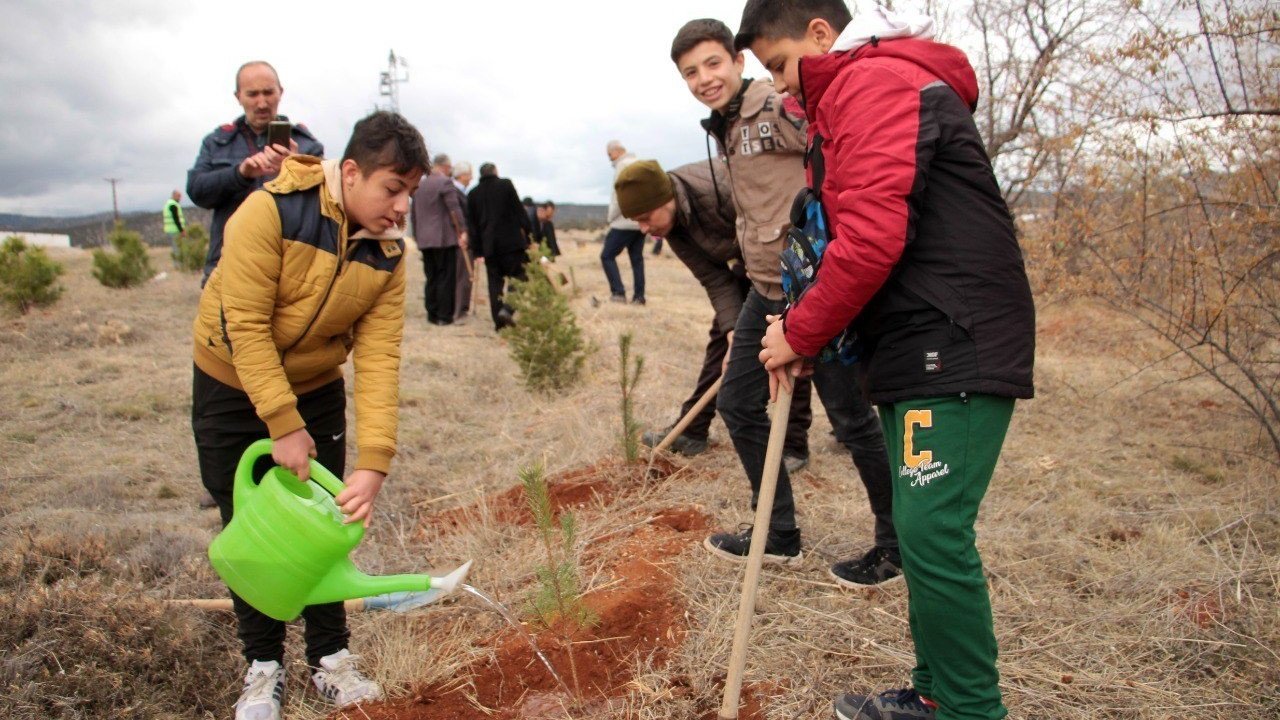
[499, 229]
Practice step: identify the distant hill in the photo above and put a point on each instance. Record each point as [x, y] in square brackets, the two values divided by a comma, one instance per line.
[91, 230]
[580, 217]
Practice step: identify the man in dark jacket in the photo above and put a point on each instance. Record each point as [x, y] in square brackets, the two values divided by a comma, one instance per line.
[235, 159]
[499, 228]
[924, 259]
[439, 228]
[694, 212]
[545, 222]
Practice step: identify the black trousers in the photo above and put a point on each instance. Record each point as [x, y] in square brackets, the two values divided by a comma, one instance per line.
[225, 424]
[440, 265]
[498, 268]
[797, 442]
[744, 397]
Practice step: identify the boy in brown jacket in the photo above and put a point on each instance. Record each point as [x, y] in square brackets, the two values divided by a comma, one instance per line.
[312, 271]
[761, 135]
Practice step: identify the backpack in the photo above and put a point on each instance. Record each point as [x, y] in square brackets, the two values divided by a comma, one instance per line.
[806, 242]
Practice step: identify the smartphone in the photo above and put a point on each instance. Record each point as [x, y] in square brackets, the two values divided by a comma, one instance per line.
[279, 132]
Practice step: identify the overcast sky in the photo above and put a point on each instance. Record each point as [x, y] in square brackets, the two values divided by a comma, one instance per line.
[127, 89]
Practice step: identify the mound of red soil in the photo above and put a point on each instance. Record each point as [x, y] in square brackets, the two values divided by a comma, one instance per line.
[640, 616]
[602, 483]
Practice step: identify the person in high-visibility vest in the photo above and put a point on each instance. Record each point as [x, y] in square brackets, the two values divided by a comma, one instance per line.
[175, 224]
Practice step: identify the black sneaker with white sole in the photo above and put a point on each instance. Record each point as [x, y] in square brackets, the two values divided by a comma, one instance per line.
[904, 704]
[683, 444]
[878, 567]
[781, 548]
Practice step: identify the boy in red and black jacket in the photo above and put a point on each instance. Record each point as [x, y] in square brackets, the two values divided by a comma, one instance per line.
[924, 263]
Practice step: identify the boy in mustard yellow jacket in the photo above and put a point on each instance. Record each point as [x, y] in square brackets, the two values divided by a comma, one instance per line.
[312, 271]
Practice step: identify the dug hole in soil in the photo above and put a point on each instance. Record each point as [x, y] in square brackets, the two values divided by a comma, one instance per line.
[640, 613]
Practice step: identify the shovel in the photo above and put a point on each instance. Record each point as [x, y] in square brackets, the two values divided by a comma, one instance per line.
[688, 417]
[755, 557]
[398, 602]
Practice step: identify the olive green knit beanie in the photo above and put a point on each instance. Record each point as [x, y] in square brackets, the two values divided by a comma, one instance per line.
[642, 186]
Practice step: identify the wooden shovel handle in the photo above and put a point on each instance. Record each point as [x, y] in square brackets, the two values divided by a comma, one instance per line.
[356, 605]
[688, 417]
[755, 557]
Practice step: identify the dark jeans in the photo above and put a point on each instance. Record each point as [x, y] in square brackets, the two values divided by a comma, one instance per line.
[499, 268]
[797, 442]
[225, 424]
[614, 243]
[441, 268]
[743, 400]
[657, 246]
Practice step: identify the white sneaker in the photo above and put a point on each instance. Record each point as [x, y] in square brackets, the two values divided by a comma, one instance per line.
[341, 683]
[263, 688]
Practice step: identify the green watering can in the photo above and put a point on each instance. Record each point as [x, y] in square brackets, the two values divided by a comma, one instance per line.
[286, 547]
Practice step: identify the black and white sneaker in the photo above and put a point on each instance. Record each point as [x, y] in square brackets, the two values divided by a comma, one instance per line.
[878, 567]
[341, 682]
[779, 548]
[904, 704]
[263, 691]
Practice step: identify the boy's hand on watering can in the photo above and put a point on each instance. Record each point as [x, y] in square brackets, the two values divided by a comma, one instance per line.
[357, 500]
[294, 451]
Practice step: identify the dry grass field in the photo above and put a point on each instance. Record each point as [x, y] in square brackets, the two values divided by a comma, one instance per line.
[1131, 534]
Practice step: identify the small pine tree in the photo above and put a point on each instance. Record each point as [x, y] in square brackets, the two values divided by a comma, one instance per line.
[28, 278]
[128, 265]
[545, 342]
[629, 377]
[557, 596]
[189, 251]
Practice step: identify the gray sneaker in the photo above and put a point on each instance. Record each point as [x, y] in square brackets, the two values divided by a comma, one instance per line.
[904, 704]
[795, 463]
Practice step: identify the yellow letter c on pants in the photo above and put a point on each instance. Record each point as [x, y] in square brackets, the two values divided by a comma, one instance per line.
[912, 418]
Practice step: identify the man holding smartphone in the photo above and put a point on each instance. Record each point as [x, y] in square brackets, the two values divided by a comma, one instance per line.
[240, 156]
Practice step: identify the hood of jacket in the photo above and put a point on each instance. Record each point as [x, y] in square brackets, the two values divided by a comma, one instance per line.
[947, 63]
[304, 172]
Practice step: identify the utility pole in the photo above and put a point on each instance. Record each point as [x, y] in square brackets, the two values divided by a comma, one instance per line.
[115, 206]
[389, 85]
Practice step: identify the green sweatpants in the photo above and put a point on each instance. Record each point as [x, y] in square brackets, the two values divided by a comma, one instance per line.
[942, 452]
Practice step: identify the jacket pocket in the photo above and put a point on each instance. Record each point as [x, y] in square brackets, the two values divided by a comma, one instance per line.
[938, 293]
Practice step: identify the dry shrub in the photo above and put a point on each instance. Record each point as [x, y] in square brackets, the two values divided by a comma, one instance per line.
[80, 650]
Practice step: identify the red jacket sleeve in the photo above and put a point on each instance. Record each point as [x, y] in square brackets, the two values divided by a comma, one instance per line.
[876, 159]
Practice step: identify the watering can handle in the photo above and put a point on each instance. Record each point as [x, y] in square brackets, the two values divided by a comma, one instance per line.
[261, 448]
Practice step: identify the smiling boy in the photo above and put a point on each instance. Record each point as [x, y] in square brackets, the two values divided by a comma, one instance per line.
[761, 134]
[923, 257]
[312, 271]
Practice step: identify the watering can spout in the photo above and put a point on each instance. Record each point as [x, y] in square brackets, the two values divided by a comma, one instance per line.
[345, 582]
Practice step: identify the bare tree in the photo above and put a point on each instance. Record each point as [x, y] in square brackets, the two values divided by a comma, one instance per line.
[1173, 199]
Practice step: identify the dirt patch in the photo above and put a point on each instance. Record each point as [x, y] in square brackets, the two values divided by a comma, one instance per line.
[602, 483]
[641, 616]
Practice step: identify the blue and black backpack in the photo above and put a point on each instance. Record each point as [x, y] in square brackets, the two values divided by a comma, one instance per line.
[807, 241]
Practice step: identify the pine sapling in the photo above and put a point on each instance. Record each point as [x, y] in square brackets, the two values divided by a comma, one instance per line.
[28, 278]
[189, 250]
[557, 597]
[128, 265]
[630, 375]
[545, 342]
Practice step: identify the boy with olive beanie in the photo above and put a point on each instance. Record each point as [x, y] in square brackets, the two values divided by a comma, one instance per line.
[692, 210]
